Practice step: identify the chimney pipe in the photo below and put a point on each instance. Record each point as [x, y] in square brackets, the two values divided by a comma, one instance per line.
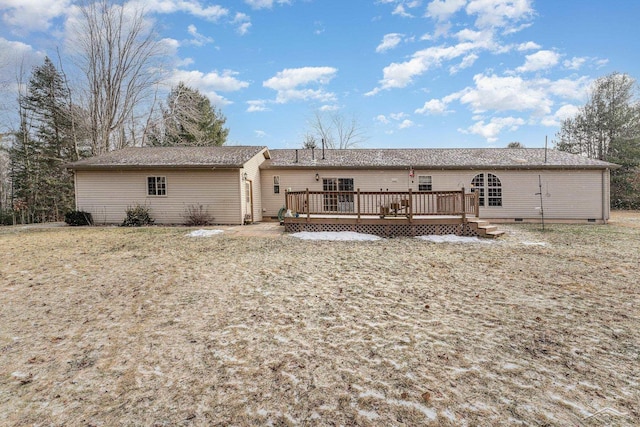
[322, 148]
[296, 155]
[313, 153]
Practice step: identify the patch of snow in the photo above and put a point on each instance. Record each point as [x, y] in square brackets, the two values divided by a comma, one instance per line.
[448, 414]
[335, 235]
[452, 238]
[510, 366]
[527, 243]
[370, 415]
[204, 233]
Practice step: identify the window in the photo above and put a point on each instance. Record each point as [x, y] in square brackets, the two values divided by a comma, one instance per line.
[156, 186]
[276, 184]
[489, 189]
[424, 183]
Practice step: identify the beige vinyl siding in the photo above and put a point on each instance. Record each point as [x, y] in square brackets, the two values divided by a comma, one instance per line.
[107, 194]
[252, 169]
[568, 194]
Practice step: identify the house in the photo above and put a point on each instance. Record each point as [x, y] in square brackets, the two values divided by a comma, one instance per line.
[225, 181]
[240, 184]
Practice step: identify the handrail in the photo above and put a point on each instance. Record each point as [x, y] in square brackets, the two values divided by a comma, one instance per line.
[383, 203]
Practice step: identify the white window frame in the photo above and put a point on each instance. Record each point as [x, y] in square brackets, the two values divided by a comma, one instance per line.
[159, 187]
[276, 184]
[421, 184]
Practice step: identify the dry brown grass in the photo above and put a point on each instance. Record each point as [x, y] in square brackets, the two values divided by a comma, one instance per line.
[113, 326]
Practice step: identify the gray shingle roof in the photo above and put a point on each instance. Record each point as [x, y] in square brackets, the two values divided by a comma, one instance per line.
[433, 158]
[171, 157]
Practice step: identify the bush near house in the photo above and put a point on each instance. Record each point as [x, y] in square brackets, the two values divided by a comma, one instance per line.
[197, 215]
[137, 216]
[77, 218]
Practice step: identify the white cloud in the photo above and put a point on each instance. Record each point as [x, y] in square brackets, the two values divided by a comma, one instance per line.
[198, 39]
[257, 105]
[467, 62]
[291, 84]
[443, 9]
[399, 75]
[434, 107]
[400, 11]
[224, 82]
[382, 119]
[406, 124]
[260, 133]
[244, 23]
[528, 46]
[389, 41]
[193, 7]
[568, 88]
[499, 13]
[209, 83]
[492, 129]
[563, 113]
[541, 60]
[28, 15]
[574, 63]
[265, 4]
[494, 93]
[398, 116]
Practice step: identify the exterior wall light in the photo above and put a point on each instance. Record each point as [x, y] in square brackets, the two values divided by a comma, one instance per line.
[317, 177]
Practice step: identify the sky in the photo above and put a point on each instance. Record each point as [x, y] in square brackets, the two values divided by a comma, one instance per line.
[412, 73]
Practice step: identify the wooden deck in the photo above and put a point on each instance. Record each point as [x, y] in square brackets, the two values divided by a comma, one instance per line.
[387, 213]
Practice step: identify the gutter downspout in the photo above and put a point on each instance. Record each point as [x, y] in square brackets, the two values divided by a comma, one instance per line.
[605, 198]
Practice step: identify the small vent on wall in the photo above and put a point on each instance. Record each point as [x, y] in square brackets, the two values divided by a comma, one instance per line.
[591, 220]
[518, 219]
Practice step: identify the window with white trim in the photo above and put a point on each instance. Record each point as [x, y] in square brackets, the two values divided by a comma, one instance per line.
[489, 189]
[424, 183]
[156, 186]
[276, 184]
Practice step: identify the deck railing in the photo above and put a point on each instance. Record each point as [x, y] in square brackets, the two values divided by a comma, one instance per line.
[383, 203]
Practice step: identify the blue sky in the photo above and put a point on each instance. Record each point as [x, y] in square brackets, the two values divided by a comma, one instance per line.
[414, 73]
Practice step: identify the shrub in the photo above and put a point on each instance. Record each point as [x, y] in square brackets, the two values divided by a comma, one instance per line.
[137, 216]
[197, 215]
[78, 218]
[6, 217]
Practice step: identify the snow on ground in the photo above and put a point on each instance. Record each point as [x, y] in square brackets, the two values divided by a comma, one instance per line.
[452, 238]
[335, 235]
[204, 233]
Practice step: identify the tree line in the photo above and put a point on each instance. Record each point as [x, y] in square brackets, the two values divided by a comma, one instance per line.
[110, 105]
[607, 128]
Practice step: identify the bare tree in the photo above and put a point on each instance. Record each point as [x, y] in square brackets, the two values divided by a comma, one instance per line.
[337, 131]
[118, 53]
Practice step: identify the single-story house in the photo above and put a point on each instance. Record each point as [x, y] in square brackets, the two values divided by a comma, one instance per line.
[238, 184]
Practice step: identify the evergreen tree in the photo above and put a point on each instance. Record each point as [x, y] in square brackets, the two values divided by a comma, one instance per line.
[189, 119]
[607, 128]
[42, 145]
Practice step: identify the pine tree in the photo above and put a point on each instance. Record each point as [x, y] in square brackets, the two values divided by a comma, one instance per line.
[189, 119]
[42, 145]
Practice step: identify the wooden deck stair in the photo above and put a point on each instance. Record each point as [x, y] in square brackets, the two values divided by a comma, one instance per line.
[485, 229]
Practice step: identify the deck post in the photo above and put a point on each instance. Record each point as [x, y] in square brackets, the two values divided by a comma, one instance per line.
[464, 208]
[308, 205]
[286, 200]
[358, 204]
[476, 202]
[410, 206]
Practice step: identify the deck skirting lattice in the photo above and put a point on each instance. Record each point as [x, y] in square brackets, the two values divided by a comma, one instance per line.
[384, 230]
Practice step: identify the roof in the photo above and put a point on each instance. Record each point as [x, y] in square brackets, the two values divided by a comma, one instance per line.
[432, 158]
[172, 157]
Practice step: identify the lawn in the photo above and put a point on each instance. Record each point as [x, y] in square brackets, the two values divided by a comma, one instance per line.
[115, 326]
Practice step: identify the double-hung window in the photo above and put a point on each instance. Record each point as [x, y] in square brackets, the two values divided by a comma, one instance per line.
[424, 183]
[156, 186]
